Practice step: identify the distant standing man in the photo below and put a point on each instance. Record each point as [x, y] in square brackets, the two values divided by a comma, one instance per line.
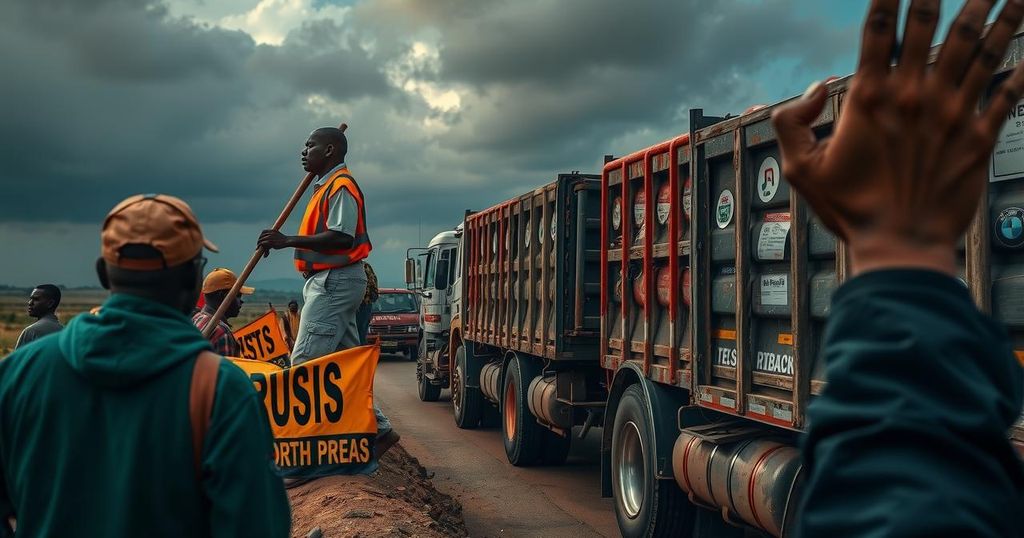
[96, 425]
[329, 251]
[42, 305]
[215, 290]
[290, 323]
[366, 308]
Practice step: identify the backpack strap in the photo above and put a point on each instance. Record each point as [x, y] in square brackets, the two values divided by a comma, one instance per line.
[200, 402]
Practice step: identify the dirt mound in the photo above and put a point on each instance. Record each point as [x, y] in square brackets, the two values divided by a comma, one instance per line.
[396, 501]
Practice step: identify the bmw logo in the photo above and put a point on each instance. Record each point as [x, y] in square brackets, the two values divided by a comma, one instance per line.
[1009, 227]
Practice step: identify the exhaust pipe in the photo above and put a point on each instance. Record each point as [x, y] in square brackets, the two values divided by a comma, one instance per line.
[752, 480]
[545, 405]
[490, 375]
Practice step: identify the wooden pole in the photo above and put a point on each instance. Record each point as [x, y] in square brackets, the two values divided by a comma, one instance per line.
[260, 252]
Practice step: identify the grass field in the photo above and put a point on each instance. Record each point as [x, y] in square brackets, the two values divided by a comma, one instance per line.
[14, 310]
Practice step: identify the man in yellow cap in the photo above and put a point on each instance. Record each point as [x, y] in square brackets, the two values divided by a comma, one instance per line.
[104, 413]
[215, 290]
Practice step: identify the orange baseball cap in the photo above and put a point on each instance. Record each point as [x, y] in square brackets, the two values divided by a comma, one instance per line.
[160, 221]
[223, 279]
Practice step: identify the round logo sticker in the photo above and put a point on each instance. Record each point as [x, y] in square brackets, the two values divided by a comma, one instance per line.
[768, 178]
[1009, 227]
[639, 208]
[664, 203]
[725, 209]
[617, 214]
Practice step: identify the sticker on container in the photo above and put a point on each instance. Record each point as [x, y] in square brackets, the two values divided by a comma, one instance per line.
[664, 286]
[617, 214]
[757, 408]
[706, 396]
[688, 198]
[1008, 155]
[1009, 227]
[727, 402]
[639, 289]
[771, 243]
[768, 178]
[664, 206]
[775, 290]
[782, 414]
[554, 227]
[725, 208]
[639, 209]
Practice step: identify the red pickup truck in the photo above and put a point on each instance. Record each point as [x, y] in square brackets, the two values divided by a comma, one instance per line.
[396, 321]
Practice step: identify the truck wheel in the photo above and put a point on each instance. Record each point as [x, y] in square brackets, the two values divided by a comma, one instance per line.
[556, 448]
[465, 400]
[522, 436]
[428, 392]
[644, 505]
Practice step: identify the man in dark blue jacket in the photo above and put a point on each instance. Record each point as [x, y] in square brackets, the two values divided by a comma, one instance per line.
[910, 436]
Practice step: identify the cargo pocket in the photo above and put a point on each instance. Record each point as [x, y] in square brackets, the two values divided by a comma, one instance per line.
[320, 339]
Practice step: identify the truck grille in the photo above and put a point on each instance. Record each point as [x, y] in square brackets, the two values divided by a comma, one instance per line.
[392, 329]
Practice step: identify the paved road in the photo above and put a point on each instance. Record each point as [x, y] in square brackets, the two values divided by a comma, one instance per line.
[470, 465]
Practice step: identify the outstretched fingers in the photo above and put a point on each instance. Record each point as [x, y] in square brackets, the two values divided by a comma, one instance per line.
[922, 18]
[992, 51]
[962, 42]
[879, 39]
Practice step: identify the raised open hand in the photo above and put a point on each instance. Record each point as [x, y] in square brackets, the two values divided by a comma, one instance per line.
[901, 177]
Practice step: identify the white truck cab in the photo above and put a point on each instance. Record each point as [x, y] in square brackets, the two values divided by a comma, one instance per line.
[433, 272]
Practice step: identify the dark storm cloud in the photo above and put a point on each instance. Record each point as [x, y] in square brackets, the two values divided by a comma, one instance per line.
[107, 98]
[107, 101]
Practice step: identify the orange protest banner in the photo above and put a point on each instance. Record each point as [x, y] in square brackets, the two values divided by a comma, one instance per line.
[320, 412]
[262, 340]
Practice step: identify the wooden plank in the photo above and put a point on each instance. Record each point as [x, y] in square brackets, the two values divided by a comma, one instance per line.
[615, 255]
[979, 270]
[773, 380]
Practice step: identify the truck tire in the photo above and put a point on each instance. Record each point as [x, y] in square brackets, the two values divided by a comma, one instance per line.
[556, 448]
[466, 401]
[522, 436]
[428, 392]
[644, 505]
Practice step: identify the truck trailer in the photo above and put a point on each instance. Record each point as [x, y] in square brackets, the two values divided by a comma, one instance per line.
[678, 301]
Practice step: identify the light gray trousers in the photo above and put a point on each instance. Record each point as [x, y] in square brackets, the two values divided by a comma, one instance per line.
[328, 321]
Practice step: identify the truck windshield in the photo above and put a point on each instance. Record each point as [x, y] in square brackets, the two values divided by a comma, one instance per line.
[393, 303]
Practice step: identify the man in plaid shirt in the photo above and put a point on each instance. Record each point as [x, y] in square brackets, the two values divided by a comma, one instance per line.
[215, 289]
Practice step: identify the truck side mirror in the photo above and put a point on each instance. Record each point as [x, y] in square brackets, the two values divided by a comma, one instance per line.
[441, 278]
[410, 273]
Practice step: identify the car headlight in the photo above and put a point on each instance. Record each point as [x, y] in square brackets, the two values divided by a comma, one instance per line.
[413, 328]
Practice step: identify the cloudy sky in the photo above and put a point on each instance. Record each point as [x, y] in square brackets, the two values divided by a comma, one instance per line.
[452, 104]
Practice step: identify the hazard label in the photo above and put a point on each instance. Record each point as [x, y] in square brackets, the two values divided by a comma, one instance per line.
[768, 178]
[771, 243]
[775, 290]
[664, 206]
[639, 209]
[725, 209]
[1008, 156]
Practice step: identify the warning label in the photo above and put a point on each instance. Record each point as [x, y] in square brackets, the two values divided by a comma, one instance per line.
[771, 243]
[775, 290]
[1008, 156]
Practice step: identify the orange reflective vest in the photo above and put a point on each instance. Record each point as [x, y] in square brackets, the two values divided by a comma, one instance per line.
[315, 222]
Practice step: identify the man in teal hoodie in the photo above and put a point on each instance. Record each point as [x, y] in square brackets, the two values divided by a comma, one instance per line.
[95, 428]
